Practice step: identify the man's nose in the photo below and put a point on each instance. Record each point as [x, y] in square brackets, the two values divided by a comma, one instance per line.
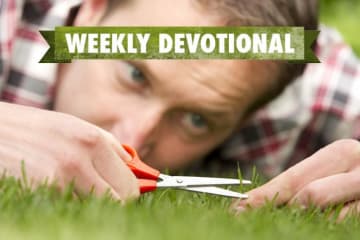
[139, 129]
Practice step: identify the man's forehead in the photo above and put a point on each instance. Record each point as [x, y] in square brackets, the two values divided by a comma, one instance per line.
[222, 82]
[162, 13]
[231, 75]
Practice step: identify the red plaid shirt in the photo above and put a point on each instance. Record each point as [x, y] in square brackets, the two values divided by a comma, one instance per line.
[321, 106]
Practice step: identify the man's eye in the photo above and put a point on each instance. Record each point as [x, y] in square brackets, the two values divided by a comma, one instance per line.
[136, 75]
[132, 76]
[195, 123]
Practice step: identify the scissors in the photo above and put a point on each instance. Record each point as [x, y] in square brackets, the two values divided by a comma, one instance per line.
[150, 179]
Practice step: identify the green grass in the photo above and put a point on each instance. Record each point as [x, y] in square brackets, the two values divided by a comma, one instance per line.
[344, 16]
[170, 214]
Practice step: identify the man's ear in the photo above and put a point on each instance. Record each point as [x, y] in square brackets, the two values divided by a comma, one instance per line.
[91, 12]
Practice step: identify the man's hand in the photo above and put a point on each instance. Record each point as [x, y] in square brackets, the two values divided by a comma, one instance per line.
[330, 176]
[63, 149]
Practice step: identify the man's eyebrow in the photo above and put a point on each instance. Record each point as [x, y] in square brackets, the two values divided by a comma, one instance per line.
[144, 68]
[224, 116]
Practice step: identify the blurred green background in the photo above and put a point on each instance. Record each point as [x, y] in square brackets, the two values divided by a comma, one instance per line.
[344, 15]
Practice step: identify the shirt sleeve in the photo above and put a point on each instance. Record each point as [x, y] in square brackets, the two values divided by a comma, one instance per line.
[26, 81]
[10, 12]
[317, 109]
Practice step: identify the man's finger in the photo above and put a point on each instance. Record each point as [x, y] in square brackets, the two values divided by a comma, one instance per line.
[114, 171]
[259, 196]
[121, 152]
[336, 158]
[88, 180]
[335, 189]
[350, 209]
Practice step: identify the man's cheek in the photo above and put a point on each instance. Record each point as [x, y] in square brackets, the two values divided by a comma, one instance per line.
[177, 154]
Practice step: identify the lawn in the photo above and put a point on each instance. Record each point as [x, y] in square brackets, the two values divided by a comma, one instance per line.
[168, 214]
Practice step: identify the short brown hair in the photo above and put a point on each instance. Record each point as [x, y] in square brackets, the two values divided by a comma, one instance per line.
[268, 13]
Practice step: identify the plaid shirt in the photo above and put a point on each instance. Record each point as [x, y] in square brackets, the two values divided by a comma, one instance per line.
[321, 106]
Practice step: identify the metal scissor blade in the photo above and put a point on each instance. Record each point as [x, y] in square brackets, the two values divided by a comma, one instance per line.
[186, 181]
[216, 191]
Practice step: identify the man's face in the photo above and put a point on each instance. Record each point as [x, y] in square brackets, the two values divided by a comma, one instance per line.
[171, 111]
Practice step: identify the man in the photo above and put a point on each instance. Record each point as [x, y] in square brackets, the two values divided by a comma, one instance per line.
[172, 112]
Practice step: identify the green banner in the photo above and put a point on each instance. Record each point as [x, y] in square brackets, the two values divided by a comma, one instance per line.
[291, 44]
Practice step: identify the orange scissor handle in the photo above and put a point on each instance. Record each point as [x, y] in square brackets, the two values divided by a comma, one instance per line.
[146, 185]
[139, 168]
